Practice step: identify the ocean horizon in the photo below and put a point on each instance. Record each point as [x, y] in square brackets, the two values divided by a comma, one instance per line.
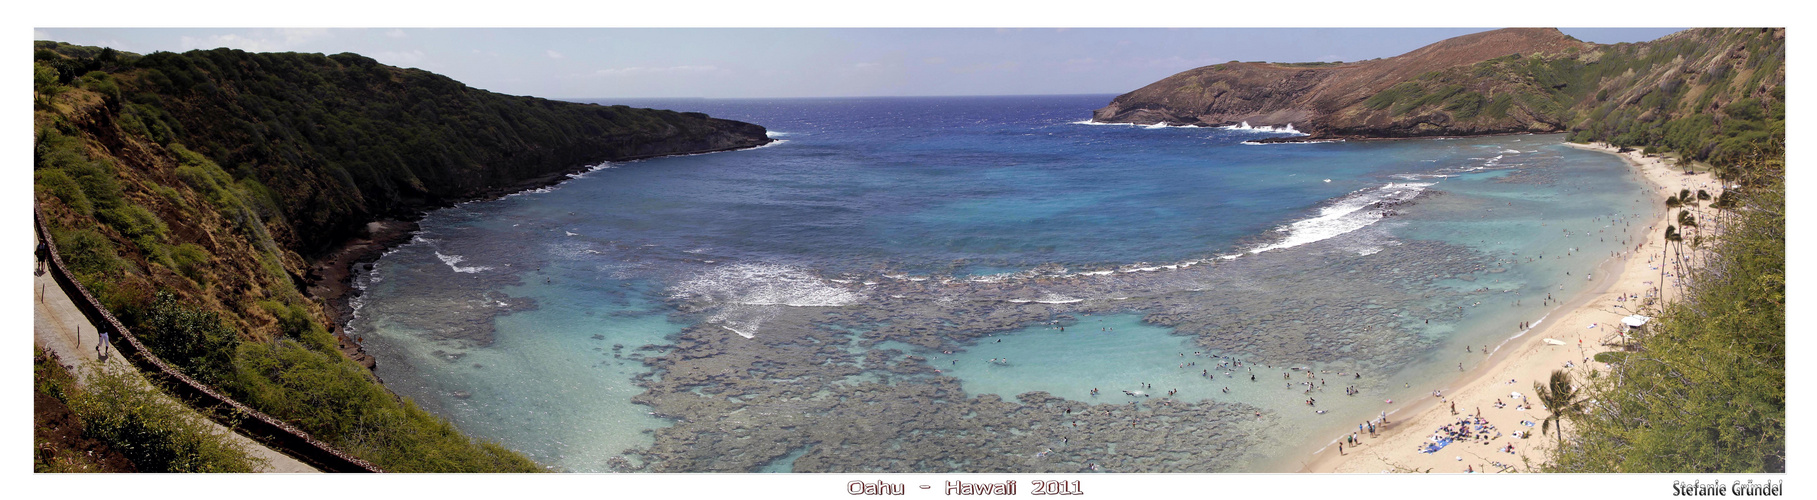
[983, 284]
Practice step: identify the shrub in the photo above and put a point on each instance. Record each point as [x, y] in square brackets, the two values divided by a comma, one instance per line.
[1704, 391]
[192, 339]
[334, 400]
[192, 262]
[55, 183]
[155, 433]
[87, 253]
[296, 323]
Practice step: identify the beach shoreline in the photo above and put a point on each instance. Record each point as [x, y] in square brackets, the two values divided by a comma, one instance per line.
[1524, 359]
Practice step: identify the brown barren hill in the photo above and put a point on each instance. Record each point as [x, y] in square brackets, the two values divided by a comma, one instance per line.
[1329, 99]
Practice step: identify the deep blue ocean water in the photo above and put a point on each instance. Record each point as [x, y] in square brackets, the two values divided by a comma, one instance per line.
[522, 318]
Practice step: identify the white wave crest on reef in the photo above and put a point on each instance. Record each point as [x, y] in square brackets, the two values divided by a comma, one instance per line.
[1054, 298]
[1255, 143]
[742, 320]
[1344, 215]
[1151, 126]
[1090, 122]
[453, 262]
[590, 170]
[1245, 127]
[746, 294]
[768, 284]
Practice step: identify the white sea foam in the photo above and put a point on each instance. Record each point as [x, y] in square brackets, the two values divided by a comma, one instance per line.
[589, 170]
[1089, 122]
[1054, 298]
[764, 284]
[1322, 141]
[453, 262]
[540, 190]
[1344, 215]
[1245, 127]
[774, 134]
[1415, 177]
[744, 296]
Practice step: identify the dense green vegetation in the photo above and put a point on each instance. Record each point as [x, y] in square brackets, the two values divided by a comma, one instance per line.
[1704, 389]
[1711, 95]
[345, 137]
[118, 410]
[186, 191]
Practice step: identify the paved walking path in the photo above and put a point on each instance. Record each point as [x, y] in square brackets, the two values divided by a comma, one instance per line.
[55, 323]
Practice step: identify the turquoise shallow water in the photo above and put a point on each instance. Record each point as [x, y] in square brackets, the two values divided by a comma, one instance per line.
[556, 384]
[953, 225]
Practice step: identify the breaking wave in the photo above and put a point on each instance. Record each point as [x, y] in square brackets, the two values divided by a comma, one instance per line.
[1349, 213]
[744, 296]
[453, 262]
[764, 285]
[1245, 127]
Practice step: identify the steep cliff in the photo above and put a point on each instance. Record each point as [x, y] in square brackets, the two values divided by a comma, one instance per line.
[1502, 81]
[190, 192]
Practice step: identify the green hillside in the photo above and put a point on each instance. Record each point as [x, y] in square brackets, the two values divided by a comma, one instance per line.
[191, 191]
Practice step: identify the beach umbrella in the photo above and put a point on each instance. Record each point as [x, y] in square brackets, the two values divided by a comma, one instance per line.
[1635, 321]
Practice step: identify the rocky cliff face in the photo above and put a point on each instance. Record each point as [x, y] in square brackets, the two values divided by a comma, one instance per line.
[1502, 81]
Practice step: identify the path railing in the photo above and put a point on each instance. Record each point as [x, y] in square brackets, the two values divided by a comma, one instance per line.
[257, 425]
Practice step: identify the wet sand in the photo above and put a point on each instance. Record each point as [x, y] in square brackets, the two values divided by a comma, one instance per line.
[1524, 360]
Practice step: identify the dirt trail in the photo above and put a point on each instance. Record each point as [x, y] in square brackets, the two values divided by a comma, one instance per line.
[55, 326]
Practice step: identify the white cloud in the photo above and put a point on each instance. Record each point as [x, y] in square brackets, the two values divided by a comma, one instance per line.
[397, 33]
[555, 55]
[272, 40]
[402, 59]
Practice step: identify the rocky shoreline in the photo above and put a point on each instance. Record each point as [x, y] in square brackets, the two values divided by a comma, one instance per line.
[330, 276]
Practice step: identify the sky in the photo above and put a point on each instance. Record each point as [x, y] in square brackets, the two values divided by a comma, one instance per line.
[580, 63]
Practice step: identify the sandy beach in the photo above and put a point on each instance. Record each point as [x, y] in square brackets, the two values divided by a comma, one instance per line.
[1517, 364]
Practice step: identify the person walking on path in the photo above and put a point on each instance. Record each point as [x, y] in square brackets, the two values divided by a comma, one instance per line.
[103, 348]
[43, 256]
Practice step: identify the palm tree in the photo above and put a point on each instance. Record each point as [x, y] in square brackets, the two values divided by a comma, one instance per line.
[1671, 236]
[1560, 398]
[1688, 220]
